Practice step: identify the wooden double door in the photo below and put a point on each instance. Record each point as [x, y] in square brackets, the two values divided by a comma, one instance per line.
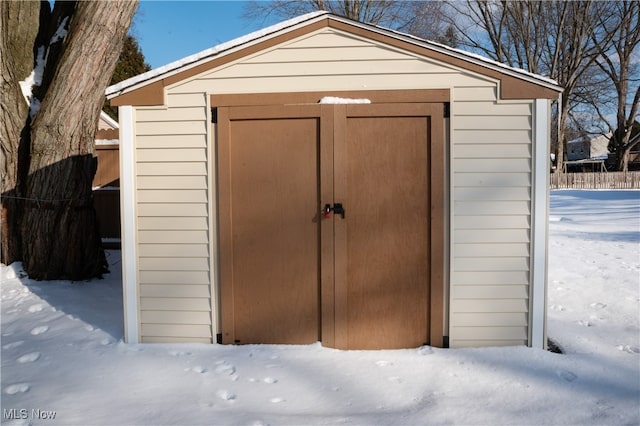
[294, 269]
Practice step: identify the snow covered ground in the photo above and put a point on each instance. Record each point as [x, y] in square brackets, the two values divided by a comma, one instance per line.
[63, 361]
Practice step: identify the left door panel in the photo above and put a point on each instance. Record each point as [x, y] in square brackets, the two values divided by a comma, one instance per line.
[269, 197]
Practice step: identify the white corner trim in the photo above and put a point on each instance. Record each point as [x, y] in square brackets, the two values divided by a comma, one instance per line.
[128, 220]
[539, 223]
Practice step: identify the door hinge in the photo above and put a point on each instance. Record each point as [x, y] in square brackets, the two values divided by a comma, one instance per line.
[447, 109]
[214, 115]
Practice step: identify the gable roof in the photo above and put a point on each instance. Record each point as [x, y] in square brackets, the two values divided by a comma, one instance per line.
[146, 88]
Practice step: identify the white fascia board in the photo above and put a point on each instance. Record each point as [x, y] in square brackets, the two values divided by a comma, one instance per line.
[110, 121]
[539, 224]
[126, 115]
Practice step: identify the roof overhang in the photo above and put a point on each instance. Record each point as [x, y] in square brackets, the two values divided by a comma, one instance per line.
[147, 89]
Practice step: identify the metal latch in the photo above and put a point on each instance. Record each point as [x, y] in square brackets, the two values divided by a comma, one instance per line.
[337, 209]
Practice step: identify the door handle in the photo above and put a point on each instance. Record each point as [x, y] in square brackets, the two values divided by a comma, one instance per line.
[337, 209]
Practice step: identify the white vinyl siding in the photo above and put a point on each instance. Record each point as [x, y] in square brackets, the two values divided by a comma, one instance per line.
[491, 218]
[172, 221]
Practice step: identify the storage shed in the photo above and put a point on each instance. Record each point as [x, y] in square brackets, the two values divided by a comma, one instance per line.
[328, 180]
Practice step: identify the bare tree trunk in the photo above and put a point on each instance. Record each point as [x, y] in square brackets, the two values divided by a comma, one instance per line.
[59, 228]
[623, 160]
[619, 63]
[52, 224]
[562, 143]
[624, 149]
[18, 31]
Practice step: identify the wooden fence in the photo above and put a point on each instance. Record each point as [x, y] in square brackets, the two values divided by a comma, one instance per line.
[108, 173]
[611, 180]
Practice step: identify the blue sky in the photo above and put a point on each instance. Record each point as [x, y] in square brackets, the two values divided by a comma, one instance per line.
[170, 30]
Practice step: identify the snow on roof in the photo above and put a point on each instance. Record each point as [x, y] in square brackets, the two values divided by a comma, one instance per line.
[116, 89]
[335, 100]
[107, 141]
[591, 139]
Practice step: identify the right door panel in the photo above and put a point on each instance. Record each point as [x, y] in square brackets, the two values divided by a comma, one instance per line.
[383, 288]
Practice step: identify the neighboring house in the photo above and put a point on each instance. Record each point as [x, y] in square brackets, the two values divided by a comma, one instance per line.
[107, 127]
[587, 153]
[107, 145]
[106, 183]
[588, 148]
[325, 179]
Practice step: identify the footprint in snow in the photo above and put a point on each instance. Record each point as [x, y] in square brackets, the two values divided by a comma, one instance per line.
[598, 305]
[226, 369]
[270, 380]
[36, 308]
[557, 307]
[567, 375]
[225, 395]
[198, 369]
[17, 388]
[30, 357]
[630, 349]
[12, 345]
[585, 323]
[179, 353]
[383, 363]
[39, 330]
